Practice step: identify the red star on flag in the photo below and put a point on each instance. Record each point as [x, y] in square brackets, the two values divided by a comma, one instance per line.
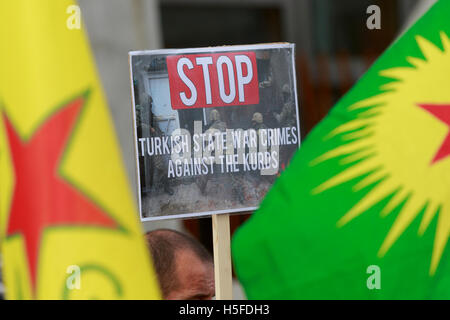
[442, 112]
[42, 198]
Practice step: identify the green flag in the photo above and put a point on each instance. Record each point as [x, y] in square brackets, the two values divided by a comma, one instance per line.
[363, 211]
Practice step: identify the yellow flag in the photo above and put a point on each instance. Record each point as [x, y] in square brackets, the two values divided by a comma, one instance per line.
[68, 222]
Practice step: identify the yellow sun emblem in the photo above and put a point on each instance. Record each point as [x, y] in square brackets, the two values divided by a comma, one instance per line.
[402, 139]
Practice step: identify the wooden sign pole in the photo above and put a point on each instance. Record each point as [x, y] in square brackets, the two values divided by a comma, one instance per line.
[222, 256]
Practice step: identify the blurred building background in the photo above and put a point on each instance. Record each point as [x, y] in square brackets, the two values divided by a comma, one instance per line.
[333, 49]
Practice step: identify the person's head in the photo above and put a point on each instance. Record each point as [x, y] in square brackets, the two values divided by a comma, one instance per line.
[257, 118]
[149, 100]
[214, 115]
[184, 267]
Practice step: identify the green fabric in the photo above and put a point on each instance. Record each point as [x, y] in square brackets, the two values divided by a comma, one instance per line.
[292, 248]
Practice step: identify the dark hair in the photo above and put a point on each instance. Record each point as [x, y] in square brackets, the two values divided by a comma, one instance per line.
[163, 244]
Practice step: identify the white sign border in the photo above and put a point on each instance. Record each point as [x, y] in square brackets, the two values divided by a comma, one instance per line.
[131, 54]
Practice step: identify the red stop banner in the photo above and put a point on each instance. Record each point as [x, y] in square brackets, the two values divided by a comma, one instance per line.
[213, 80]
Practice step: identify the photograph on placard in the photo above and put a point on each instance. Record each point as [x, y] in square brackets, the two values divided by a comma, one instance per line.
[214, 127]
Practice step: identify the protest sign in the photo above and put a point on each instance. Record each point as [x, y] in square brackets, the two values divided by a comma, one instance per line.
[214, 127]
